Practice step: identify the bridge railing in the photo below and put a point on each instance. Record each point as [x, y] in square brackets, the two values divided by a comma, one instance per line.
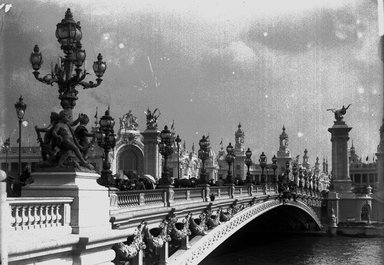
[38, 213]
[137, 198]
[167, 197]
[221, 192]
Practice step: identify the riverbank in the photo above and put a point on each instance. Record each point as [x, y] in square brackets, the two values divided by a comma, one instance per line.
[357, 230]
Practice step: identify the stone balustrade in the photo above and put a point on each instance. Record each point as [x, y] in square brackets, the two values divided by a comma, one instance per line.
[139, 198]
[37, 213]
[158, 197]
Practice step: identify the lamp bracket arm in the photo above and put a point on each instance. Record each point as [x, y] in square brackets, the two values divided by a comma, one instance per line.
[90, 84]
[48, 79]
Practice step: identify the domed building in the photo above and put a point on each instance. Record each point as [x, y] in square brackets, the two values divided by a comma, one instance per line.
[282, 157]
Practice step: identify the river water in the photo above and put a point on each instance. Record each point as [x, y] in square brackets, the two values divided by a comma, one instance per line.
[296, 249]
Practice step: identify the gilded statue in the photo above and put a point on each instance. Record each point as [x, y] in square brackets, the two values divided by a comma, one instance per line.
[339, 113]
[152, 118]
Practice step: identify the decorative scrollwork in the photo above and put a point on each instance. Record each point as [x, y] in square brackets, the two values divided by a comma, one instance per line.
[130, 249]
[179, 230]
[156, 237]
[198, 225]
[213, 220]
[225, 216]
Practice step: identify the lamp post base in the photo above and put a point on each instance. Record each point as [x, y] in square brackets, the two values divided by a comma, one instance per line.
[106, 178]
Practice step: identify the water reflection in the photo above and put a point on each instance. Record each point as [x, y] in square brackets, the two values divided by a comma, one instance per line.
[300, 250]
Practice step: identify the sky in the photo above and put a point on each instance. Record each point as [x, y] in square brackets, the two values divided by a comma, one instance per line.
[208, 65]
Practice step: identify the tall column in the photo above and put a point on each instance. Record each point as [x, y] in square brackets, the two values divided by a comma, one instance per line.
[152, 165]
[380, 148]
[340, 166]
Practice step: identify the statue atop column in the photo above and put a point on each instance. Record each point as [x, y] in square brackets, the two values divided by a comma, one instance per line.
[339, 113]
[129, 121]
[152, 118]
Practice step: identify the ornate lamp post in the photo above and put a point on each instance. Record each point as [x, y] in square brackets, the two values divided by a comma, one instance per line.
[294, 172]
[305, 179]
[263, 164]
[178, 140]
[301, 175]
[287, 170]
[6, 148]
[165, 149]
[68, 73]
[106, 139]
[274, 167]
[203, 154]
[230, 157]
[20, 107]
[248, 163]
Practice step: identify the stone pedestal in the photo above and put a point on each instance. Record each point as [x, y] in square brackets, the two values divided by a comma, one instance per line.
[340, 165]
[152, 162]
[4, 219]
[91, 204]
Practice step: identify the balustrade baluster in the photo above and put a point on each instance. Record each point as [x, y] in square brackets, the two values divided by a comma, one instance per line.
[13, 217]
[30, 217]
[59, 221]
[18, 216]
[24, 217]
[54, 215]
[48, 215]
[36, 216]
[42, 215]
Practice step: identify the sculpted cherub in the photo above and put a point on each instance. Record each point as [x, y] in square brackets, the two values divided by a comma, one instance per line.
[66, 140]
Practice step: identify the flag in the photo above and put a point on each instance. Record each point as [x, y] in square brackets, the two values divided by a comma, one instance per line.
[173, 125]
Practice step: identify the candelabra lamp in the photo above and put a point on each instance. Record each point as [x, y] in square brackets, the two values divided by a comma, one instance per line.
[230, 158]
[203, 154]
[294, 172]
[166, 149]
[106, 139]
[248, 163]
[305, 178]
[287, 170]
[68, 72]
[274, 167]
[301, 177]
[20, 107]
[263, 164]
[178, 140]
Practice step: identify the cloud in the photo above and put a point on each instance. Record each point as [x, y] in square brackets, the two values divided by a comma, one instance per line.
[323, 27]
[235, 59]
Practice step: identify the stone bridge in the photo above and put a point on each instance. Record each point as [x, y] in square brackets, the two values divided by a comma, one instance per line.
[72, 220]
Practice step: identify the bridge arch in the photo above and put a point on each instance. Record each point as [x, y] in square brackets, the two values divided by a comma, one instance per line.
[206, 244]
